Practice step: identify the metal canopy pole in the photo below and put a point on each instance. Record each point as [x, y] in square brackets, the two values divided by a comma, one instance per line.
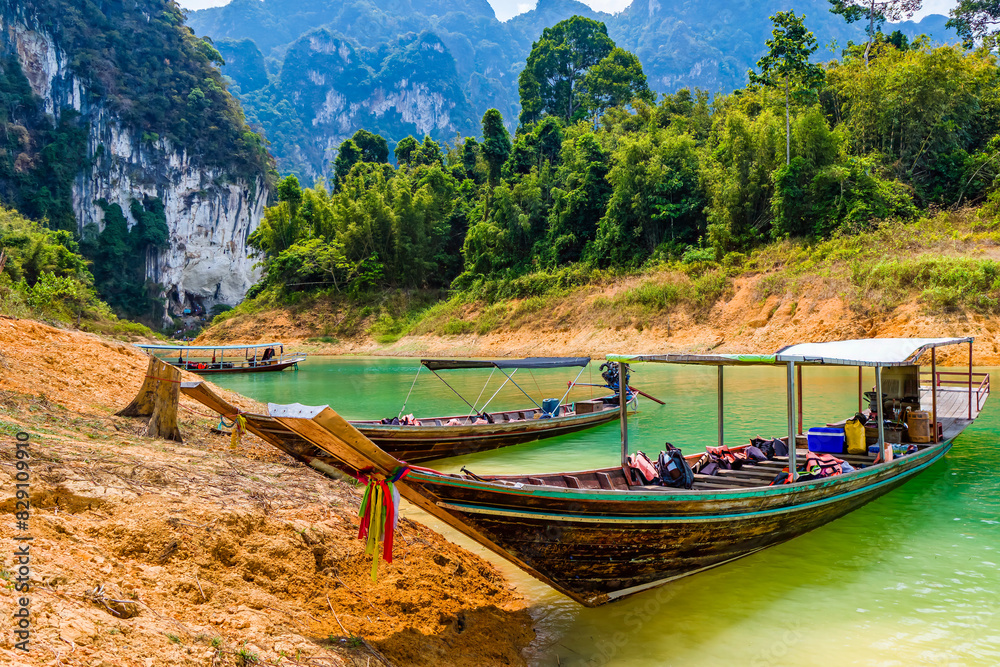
[511, 378]
[720, 407]
[483, 409]
[572, 384]
[453, 389]
[623, 419]
[792, 467]
[934, 431]
[799, 392]
[970, 379]
[481, 392]
[881, 415]
[861, 387]
[406, 400]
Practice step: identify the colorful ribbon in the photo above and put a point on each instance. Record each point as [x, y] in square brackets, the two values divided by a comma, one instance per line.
[379, 513]
[239, 428]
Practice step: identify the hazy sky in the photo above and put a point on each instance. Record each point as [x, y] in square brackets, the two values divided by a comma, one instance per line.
[506, 8]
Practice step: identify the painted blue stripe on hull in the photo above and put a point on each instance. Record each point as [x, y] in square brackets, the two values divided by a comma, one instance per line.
[584, 518]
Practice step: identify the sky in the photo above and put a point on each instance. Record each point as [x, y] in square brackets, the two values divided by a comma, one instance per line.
[507, 8]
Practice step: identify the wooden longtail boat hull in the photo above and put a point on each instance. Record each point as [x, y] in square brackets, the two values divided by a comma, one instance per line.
[596, 547]
[261, 367]
[416, 444]
[599, 543]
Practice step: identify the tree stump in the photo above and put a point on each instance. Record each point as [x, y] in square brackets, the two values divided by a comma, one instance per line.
[158, 399]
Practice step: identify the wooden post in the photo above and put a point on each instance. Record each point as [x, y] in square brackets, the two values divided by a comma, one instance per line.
[970, 380]
[158, 399]
[792, 467]
[721, 421]
[934, 437]
[861, 388]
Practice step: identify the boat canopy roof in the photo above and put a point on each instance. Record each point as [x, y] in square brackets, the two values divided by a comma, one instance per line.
[529, 362]
[861, 352]
[182, 348]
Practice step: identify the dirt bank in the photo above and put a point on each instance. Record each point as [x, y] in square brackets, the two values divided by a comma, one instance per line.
[595, 321]
[148, 552]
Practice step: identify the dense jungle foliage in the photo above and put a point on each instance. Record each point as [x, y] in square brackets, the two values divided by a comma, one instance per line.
[689, 179]
[43, 275]
[313, 99]
[143, 62]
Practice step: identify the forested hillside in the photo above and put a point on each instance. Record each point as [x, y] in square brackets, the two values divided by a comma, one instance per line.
[271, 50]
[687, 185]
[118, 129]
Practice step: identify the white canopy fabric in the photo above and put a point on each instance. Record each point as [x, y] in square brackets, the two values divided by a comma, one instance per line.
[864, 352]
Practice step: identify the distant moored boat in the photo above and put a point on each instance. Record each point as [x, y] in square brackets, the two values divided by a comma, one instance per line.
[208, 359]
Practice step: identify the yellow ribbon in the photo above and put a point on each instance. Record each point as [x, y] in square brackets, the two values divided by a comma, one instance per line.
[239, 427]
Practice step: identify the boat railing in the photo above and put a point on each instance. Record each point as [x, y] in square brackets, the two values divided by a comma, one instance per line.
[977, 383]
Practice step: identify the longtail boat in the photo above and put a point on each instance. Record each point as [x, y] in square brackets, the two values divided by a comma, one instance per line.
[426, 438]
[211, 359]
[599, 535]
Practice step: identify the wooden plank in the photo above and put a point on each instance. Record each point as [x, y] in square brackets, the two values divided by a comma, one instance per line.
[604, 479]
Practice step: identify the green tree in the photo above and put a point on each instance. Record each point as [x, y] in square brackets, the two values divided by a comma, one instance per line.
[404, 149]
[373, 147]
[348, 155]
[876, 12]
[786, 63]
[496, 143]
[976, 20]
[553, 80]
[615, 80]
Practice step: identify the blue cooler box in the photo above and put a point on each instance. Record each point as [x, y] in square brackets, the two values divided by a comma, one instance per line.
[826, 440]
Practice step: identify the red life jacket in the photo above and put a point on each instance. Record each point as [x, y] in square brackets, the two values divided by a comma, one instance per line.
[822, 465]
[645, 471]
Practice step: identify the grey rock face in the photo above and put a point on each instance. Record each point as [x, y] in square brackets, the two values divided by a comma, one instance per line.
[209, 213]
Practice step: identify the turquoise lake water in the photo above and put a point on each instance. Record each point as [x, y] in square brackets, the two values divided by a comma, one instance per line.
[910, 579]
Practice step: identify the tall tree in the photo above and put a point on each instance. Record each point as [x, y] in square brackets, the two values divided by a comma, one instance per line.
[495, 148]
[615, 81]
[786, 64]
[876, 12]
[405, 148]
[373, 147]
[347, 156]
[976, 20]
[552, 81]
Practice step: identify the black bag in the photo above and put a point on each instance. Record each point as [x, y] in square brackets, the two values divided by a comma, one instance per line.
[674, 469]
[780, 448]
[765, 446]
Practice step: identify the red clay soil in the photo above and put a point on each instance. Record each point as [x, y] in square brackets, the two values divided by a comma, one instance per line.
[149, 552]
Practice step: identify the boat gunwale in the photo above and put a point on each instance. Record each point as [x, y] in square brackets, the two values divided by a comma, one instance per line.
[363, 425]
[643, 495]
[702, 518]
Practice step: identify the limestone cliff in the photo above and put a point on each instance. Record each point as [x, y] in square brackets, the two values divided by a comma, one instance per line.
[209, 211]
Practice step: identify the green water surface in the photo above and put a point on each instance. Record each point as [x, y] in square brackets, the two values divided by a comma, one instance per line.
[910, 579]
